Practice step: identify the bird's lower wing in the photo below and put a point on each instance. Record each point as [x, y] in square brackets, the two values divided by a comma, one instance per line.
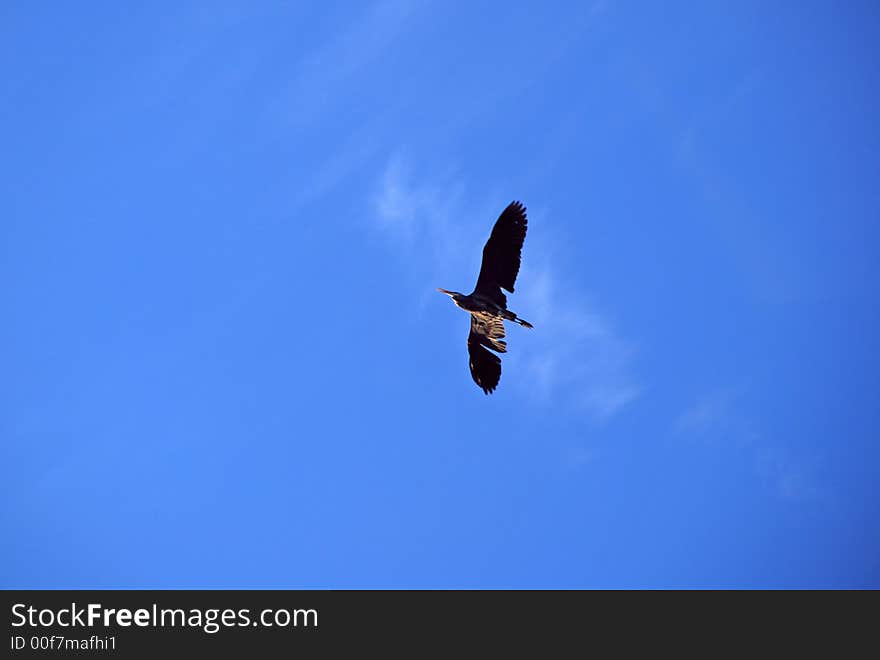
[486, 332]
[485, 366]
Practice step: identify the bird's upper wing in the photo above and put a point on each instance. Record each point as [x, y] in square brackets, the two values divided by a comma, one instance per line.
[486, 332]
[501, 254]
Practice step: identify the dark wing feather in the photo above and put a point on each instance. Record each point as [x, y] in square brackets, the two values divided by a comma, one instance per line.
[486, 332]
[502, 254]
[485, 366]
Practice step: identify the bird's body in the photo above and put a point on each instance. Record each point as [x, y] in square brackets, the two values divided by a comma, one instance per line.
[487, 304]
[476, 303]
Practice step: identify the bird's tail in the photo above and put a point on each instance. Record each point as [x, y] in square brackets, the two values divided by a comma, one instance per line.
[510, 316]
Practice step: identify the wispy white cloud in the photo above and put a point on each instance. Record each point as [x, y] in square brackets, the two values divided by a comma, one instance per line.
[702, 416]
[578, 356]
[576, 458]
[326, 74]
[713, 419]
[417, 215]
[791, 479]
[575, 356]
[717, 419]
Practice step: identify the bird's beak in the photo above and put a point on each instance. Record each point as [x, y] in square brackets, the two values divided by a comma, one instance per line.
[448, 293]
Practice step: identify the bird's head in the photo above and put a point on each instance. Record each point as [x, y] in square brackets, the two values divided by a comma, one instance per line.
[455, 295]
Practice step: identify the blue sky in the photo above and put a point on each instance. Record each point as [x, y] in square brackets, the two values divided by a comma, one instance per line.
[226, 364]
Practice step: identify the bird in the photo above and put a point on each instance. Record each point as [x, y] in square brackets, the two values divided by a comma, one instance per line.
[487, 304]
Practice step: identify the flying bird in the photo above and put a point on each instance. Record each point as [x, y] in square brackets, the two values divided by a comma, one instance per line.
[487, 304]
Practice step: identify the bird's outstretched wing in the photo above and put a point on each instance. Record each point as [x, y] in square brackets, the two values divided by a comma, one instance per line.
[486, 332]
[501, 254]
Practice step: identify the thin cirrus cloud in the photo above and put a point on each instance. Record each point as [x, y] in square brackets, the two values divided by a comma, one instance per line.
[716, 419]
[580, 358]
[326, 75]
[575, 356]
